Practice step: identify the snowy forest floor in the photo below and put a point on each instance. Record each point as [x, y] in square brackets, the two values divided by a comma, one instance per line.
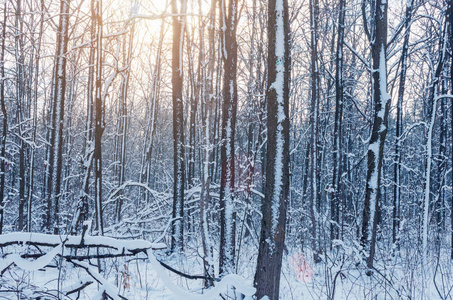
[340, 275]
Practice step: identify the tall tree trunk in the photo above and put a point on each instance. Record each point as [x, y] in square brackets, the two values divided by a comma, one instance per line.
[178, 130]
[35, 117]
[21, 107]
[272, 237]
[433, 100]
[83, 208]
[124, 118]
[450, 9]
[381, 101]
[152, 115]
[207, 101]
[399, 125]
[56, 138]
[227, 150]
[99, 120]
[4, 117]
[335, 199]
[314, 113]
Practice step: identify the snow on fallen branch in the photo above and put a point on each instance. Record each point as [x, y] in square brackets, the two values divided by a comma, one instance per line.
[105, 286]
[222, 286]
[41, 239]
[30, 265]
[122, 247]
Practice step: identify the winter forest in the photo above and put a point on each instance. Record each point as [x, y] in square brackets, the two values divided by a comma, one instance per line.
[226, 149]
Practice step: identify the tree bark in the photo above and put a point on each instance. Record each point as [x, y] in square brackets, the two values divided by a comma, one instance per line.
[314, 123]
[450, 9]
[335, 199]
[381, 101]
[227, 148]
[178, 130]
[399, 125]
[99, 119]
[56, 138]
[272, 237]
[4, 117]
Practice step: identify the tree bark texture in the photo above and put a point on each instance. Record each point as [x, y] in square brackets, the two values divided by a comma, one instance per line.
[381, 102]
[272, 236]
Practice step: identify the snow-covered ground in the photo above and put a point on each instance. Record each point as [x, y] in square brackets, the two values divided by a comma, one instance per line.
[340, 276]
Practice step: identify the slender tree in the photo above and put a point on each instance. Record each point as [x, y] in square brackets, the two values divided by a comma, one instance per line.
[56, 137]
[4, 117]
[399, 125]
[178, 129]
[434, 92]
[272, 237]
[339, 90]
[99, 124]
[87, 164]
[381, 102]
[450, 9]
[123, 122]
[314, 123]
[227, 148]
[207, 62]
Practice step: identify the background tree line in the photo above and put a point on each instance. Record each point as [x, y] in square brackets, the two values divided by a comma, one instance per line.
[100, 122]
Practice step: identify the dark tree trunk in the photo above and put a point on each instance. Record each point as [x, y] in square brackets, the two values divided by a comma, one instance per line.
[122, 134]
[56, 138]
[21, 107]
[272, 237]
[314, 122]
[450, 9]
[99, 120]
[4, 118]
[381, 102]
[335, 200]
[178, 132]
[87, 166]
[399, 125]
[227, 150]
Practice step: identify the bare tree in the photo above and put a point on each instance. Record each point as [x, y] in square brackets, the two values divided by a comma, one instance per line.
[99, 124]
[56, 137]
[381, 102]
[178, 129]
[314, 124]
[450, 9]
[272, 237]
[399, 125]
[227, 149]
[4, 118]
[337, 155]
